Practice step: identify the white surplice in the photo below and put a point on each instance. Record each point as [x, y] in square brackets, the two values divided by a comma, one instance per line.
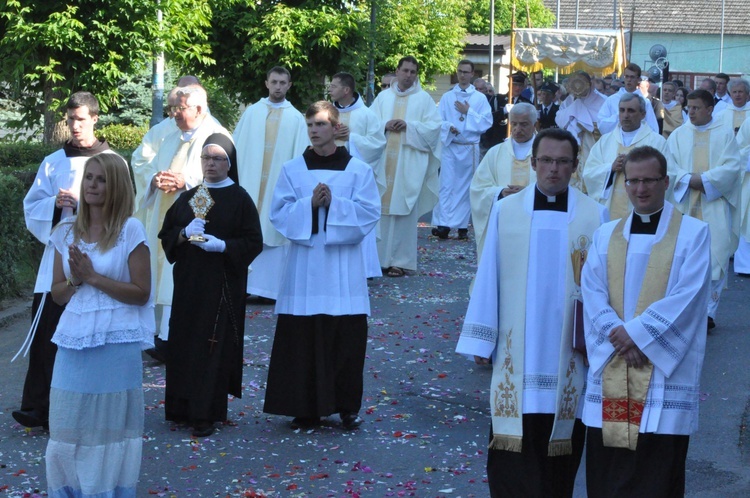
[460, 155]
[671, 332]
[325, 271]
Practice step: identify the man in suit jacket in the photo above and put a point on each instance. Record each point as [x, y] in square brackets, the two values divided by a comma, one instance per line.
[547, 107]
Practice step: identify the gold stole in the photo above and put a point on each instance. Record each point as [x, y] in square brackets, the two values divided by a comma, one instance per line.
[273, 119]
[672, 119]
[519, 174]
[701, 160]
[624, 388]
[619, 206]
[344, 118]
[392, 152]
[167, 199]
[737, 120]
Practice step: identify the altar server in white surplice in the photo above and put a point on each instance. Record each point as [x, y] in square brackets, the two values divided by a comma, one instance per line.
[411, 161]
[603, 174]
[645, 289]
[360, 132]
[505, 169]
[167, 165]
[270, 132]
[704, 163]
[325, 202]
[466, 114]
[521, 316]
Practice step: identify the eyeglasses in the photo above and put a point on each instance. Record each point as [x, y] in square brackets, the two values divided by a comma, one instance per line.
[634, 182]
[385, 85]
[548, 161]
[215, 159]
[180, 108]
[464, 72]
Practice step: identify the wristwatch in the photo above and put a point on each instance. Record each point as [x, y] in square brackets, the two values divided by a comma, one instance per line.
[70, 283]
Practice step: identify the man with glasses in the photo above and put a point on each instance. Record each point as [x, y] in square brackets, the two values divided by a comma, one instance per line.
[466, 115]
[520, 319]
[163, 168]
[704, 162]
[645, 289]
[270, 132]
[386, 80]
[603, 174]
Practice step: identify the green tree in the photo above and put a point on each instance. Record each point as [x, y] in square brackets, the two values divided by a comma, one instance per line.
[478, 15]
[51, 49]
[317, 38]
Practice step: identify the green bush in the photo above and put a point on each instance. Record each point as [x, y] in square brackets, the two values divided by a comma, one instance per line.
[24, 155]
[19, 251]
[122, 138]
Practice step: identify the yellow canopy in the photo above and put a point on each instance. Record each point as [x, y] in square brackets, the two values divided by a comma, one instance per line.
[594, 51]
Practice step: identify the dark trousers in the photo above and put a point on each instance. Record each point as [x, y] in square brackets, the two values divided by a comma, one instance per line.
[41, 357]
[531, 473]
[656, 469]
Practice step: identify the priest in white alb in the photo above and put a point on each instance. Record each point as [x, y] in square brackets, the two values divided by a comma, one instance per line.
[466, 114]
[520, 318]
[505, 169]
[269, 133]
[360, 132]
[645, 289]
[742, 255]
[673, 115]
[411, 161]
[603, 174]
[704, 162]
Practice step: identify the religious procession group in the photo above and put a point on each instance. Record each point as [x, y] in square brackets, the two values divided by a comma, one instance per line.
[320, 202]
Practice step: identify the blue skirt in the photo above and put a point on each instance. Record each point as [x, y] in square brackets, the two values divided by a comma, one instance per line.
[96, 422]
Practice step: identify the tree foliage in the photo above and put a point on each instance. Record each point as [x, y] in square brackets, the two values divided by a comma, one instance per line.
[51, 49]
[478, 15]
[317, 38]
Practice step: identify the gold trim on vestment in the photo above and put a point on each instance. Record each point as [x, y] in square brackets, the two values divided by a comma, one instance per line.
[273, 120]
[624, 388]
[393, 152]
[701, 164]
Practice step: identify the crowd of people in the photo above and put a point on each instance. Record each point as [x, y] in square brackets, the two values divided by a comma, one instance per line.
[595, 330]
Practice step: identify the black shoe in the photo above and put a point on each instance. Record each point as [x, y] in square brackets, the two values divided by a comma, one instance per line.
[350, 421]
[711, 323]
[155, 354]
[30, 418]
[304, 423]
[203, 429]
[265, 300]
[441, 232]
[463, 233]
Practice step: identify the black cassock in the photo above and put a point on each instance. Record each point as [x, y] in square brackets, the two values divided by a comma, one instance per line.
[206, 327]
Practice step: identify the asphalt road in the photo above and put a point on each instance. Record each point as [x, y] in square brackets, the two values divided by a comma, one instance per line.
[425, 409]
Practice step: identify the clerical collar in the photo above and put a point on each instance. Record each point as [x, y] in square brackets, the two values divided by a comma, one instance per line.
[646, 223]
[544, 202]
[339, 106]
[704, 127]
[78, 151]
[226, 182]
[336, 161]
